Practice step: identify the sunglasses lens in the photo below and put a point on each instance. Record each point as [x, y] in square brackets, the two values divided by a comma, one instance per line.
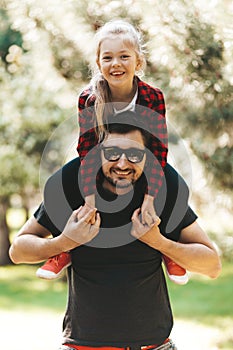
[133, 155]
[112, 154]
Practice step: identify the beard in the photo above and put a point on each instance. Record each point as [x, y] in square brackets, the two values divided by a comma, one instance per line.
[118, 183]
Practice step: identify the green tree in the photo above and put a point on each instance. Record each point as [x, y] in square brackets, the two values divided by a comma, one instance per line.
[30, 112]
[208, 121]
[46, 49]
[190, 58]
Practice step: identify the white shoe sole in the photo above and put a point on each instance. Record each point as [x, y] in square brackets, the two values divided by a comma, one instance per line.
[49, 275]
[178, 279]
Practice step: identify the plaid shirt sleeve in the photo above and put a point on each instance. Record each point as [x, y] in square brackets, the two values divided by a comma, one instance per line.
[153, 99]
[86, 144]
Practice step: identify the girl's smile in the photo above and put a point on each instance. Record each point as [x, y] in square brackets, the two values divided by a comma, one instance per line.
[118, 63]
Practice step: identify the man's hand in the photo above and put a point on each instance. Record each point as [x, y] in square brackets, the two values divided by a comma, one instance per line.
[148, 213]
[148, 234]
[79, 228]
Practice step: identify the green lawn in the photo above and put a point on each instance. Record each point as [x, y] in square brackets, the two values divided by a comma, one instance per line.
[21, 289]
[208, 302]
[204, 299]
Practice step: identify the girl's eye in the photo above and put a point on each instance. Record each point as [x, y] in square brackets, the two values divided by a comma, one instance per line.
[124, 57]
[107, 58]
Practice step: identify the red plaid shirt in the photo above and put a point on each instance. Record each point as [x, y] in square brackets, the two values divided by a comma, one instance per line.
[152, 99]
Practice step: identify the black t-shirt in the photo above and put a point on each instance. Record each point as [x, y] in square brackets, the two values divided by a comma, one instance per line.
[117, 290]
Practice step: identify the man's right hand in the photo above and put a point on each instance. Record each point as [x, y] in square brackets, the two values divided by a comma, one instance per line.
[82, 226]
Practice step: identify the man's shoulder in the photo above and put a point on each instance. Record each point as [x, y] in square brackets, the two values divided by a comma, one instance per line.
[175, 182]
[64, 184]
[173, 193]
[68, 170]
[61, 197]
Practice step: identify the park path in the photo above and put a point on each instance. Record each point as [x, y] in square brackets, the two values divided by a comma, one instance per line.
[43, 331]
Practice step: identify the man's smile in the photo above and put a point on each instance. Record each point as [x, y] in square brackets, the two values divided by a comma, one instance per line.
[120, 172]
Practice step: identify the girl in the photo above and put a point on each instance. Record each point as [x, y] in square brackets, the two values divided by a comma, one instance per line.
[115, 87]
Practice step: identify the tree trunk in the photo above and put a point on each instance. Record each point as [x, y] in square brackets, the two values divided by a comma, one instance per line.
[4, 233]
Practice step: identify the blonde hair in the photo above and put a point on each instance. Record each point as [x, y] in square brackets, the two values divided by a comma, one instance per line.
[100, 88]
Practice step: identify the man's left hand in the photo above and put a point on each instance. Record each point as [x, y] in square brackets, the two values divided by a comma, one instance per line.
[148, 234]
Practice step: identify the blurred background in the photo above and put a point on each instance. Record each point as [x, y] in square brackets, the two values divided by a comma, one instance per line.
[46, 49]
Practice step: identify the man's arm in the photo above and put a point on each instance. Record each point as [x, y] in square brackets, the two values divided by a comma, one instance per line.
[194, 251]
[33, 243]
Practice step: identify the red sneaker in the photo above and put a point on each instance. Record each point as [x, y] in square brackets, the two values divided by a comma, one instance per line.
[175, 272]
[54, 266]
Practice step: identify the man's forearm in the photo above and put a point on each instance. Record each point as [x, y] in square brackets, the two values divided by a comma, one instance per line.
[194, 257]
[194, 251]
[33, 244]
[33, 249]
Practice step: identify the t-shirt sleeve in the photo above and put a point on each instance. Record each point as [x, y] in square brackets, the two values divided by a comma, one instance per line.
[43, 219]
[172, 205]
[189, 218]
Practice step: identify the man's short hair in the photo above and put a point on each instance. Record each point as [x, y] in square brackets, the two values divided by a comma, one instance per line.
[125, 122]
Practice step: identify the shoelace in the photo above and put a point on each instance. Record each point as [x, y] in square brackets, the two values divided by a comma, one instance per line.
[54, 260]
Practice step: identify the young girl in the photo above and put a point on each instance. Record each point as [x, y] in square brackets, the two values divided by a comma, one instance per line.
[116, 87]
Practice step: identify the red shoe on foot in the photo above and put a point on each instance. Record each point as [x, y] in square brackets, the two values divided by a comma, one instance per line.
[54, 266]
[175, 272]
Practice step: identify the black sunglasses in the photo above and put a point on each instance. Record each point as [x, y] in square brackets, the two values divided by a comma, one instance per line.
[133, 155]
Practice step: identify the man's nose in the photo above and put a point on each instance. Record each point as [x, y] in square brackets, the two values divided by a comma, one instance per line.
[122, 162]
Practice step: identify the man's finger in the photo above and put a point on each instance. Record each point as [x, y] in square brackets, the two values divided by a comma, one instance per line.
[89, 215]
[135, 215]
[149, 220]
[97, 221]
[93, 218]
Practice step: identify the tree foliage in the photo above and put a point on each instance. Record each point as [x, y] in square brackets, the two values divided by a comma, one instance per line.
[46, 49]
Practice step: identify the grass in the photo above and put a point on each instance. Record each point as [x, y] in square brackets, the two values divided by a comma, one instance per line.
[204, 299]
[201, 299]
[207, 302]
[21, 289]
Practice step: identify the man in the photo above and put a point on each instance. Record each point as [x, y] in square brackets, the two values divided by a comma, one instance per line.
[117, 291]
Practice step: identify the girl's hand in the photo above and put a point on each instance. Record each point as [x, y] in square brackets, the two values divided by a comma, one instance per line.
[148, 213]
